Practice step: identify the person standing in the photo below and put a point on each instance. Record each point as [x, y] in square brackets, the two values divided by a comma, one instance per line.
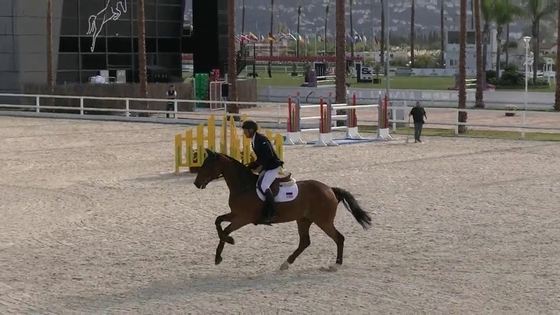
[418, 115]
[269, 69]
[171, 95]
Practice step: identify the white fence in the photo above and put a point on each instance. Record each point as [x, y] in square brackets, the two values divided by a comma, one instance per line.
[269, 114]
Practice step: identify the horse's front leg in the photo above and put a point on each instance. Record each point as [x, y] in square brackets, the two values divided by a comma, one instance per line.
[218, 222]
[236, 223]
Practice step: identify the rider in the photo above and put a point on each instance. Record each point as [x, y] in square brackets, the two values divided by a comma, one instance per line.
[270, 163]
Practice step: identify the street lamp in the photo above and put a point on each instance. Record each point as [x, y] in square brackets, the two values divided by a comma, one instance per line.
[527, 40]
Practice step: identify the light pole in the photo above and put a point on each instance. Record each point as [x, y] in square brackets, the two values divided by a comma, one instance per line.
[527, 40]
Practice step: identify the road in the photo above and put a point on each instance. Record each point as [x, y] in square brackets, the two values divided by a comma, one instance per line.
[442, 98]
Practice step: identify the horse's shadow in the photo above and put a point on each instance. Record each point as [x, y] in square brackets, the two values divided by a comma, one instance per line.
[197, 285]
[164, 177]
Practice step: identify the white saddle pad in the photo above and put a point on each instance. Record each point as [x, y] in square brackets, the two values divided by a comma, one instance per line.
[285, 193]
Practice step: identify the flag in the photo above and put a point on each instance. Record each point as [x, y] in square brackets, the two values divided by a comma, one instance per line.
[301, 38]
[377, 41]
[253, 37]
[244, 38]
[357, 37]
[292, 37]
[327, 9]
[271, 38]
[349, 38]
[262, 39]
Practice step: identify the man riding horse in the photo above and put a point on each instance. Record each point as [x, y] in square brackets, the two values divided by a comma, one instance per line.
[270, 163]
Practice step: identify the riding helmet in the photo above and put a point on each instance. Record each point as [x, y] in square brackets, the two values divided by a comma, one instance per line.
[249, 124]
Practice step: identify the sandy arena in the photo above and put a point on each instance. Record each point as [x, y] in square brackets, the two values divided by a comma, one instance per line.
[94, 222]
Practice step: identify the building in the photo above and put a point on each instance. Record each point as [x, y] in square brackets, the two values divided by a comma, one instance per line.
[452, 51]
[89, 37]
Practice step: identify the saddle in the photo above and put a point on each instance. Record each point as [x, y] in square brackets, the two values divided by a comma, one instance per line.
[283, 179]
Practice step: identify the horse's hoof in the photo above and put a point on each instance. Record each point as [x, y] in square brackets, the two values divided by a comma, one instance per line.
[218, 260]
[285, 266]
[230, 240]
[332, 268]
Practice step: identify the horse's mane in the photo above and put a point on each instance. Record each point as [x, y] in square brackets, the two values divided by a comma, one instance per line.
[245, 174]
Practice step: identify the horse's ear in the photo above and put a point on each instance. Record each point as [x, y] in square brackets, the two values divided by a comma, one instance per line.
[210, 154]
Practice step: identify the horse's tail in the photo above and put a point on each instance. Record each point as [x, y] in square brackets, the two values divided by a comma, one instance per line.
[352, 205]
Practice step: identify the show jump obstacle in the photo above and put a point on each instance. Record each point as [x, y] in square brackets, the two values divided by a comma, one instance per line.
[193, 141]
[325, 128]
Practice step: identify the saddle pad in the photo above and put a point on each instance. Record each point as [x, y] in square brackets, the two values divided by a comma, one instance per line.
[285, 193]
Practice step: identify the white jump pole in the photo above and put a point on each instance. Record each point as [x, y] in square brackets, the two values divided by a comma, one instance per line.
[352, 122]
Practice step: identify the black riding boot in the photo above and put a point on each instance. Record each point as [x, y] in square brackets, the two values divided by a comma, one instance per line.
[269, 213]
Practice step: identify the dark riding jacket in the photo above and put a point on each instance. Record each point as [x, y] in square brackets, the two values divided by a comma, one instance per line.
[266, 156]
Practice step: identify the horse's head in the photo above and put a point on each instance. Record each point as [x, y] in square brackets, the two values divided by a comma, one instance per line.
[210, 170]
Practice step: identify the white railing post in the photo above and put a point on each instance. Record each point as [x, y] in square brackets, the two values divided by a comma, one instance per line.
[394, 118]
[127, 108]
[81, 106]
[175, 109]
[37, 104]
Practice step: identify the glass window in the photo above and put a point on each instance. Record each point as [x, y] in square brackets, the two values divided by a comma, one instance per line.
[85, 75]
[69, 27]
[170, 29]
[70, 9]
[69, 44]
[170, 13]
[86, 43]
[69, 61]
[119, 44]
[151, 12]
[119, 60]
[169, 61]
[171, 2]
[119, 28]
[67, 77]
[94, 61]
[169, 45]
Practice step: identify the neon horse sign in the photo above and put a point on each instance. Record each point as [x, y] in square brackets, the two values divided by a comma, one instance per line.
[117, 7]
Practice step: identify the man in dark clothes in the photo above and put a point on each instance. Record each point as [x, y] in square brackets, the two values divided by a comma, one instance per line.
[418, 114]
[270, 163]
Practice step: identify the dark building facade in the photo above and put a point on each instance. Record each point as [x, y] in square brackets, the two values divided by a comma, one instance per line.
[88, 36]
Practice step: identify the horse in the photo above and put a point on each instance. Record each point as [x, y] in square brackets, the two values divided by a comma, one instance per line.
[313, 202]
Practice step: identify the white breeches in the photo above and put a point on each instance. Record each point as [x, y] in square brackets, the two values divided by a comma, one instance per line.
[268, 177]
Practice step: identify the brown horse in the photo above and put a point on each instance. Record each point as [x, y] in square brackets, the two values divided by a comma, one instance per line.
[315, 202]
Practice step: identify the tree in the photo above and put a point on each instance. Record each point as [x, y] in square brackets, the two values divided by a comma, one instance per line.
[382, 45]
[536, 11]
[412, 32]
[352, 29]
[442, 34]
[479, 97]
[462, 115]
[557, 103]
[340, 75]
[271, 24]
[298, 31]
[503, 12]
[142, 71]
[485, 11]
[50, 70]
[232, 60]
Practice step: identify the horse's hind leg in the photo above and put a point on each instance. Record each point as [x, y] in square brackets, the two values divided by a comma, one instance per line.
[337, 237]
[304, 241]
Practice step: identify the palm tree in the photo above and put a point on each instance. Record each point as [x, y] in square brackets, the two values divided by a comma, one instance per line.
[486, 12]
[479, 96]
[50, 70]
[271, 24]
[352, 30]
[412, 13]
[557, 103]
[506, 47]
[503, 13]
[382, 45]
[298, 25]
[537, 10]
[142, 71]
[232, 61]
[442, 34]
[340, 75]
[462, 115]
